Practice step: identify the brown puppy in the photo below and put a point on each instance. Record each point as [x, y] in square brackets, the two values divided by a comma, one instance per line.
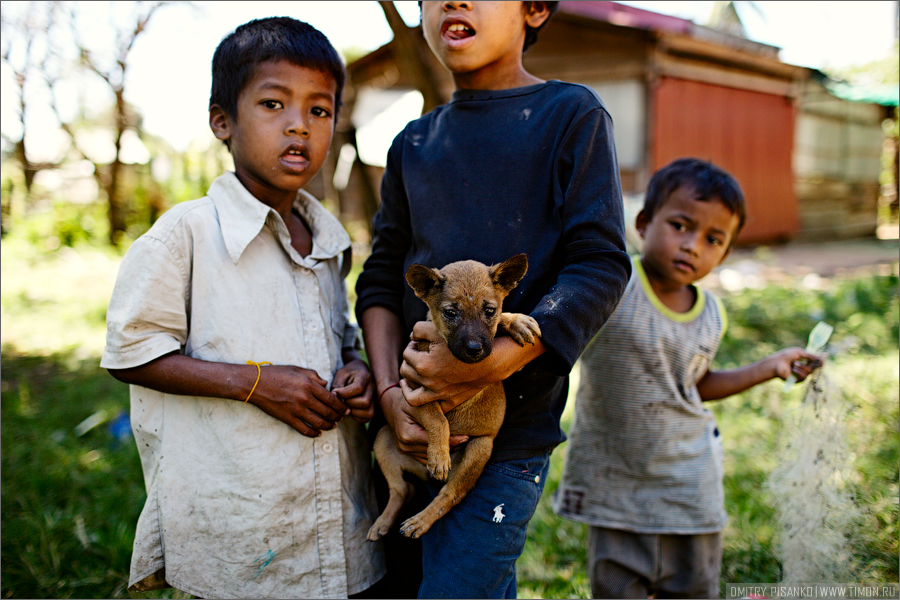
[464, 301]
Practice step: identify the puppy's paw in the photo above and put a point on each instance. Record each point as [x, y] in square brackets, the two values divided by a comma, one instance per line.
[521, 328]
[377, 530]
[416, 526]
[439, 465]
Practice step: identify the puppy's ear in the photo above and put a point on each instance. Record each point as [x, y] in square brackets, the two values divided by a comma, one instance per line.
[509, 273]
[423, 280]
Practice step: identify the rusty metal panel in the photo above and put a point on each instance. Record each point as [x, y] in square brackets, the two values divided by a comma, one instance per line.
[748, 133]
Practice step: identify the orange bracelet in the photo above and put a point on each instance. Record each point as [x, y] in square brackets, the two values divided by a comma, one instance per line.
[258, 375]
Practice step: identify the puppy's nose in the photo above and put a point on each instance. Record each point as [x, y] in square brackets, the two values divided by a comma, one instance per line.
[474, 348]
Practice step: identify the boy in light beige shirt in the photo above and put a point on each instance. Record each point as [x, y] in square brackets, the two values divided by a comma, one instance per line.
[230, 320]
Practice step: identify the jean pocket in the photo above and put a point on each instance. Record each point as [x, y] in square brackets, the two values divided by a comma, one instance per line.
[530, 469]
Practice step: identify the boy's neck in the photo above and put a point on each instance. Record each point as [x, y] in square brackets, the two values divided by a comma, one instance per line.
[677, 298]
[282, 202]
[481, 80]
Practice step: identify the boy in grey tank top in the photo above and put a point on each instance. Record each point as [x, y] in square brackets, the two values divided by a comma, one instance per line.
[644, 460]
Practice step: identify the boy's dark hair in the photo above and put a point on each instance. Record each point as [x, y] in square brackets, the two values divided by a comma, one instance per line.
[705, 179]
[271, 39]
[531, 33]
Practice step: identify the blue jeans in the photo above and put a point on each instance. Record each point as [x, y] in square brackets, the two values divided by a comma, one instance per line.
[471, 552]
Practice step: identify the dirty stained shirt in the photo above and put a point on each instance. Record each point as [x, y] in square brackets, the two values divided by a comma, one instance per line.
[644, 454]
[238, 503]
[495, 173]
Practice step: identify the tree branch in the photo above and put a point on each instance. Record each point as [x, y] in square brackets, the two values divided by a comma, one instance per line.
[409, 55]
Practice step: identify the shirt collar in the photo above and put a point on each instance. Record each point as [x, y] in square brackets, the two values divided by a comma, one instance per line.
[242, 217]
[685, 317]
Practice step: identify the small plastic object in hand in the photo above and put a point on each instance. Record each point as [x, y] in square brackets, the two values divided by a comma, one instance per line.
[818, 337]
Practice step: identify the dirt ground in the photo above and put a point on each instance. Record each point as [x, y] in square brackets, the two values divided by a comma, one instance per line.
[745, 266]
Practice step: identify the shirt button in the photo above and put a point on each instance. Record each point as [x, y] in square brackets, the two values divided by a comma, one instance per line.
[537, 478]
[327, 448]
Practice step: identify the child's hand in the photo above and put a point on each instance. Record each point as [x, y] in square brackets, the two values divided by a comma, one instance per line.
[299, 398]
[354, 385]
[795, 361]
[409, 435]
[435, 374]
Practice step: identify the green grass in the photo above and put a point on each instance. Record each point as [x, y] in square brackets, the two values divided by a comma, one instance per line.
[864, 312]
[70, 503]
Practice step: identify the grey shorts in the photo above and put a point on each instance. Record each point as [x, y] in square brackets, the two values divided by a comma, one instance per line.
[622, 564]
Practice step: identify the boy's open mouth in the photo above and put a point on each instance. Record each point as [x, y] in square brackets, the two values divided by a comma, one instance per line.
[296, 150]
[296, 154]
[457, 31]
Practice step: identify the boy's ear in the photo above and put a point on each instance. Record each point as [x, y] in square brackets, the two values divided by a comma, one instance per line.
[641, 222]
[219, 122]
[537, 13]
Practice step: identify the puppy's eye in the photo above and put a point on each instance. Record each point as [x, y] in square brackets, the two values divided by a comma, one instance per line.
[489, 311]
[449, 313]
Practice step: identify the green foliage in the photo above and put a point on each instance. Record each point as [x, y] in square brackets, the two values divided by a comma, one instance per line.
[69, 503]
[881, 71]
[751, 426]
[864, 312]
[64, 224]
[47, 217]
[55, 301]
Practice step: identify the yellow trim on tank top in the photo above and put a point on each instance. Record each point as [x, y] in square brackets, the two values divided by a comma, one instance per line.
[684, 317]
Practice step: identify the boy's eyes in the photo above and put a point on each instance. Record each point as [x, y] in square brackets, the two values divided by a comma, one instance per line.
[711, 240]
[276, 105]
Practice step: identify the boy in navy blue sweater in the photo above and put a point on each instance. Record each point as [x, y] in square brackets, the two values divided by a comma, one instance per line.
[511, 164]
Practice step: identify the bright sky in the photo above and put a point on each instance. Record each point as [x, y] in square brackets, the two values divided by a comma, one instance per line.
[168, 75]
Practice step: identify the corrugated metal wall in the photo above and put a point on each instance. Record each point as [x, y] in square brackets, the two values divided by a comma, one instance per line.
[750, 134]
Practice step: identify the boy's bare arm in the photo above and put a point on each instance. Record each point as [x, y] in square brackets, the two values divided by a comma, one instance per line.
[716, 385]
[383, 335]
[293, 395]
[441, 377]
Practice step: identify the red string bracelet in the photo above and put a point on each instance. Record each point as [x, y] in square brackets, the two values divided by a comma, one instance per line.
[381, 395]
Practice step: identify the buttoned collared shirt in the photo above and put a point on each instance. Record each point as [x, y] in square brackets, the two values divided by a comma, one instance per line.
[240, 504]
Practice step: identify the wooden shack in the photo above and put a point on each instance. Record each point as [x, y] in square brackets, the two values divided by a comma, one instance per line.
[838, 160]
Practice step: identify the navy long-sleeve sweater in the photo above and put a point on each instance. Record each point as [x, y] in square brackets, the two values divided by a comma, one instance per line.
[487, 176]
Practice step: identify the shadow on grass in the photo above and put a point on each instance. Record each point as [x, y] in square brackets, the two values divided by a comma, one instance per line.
[69, 502]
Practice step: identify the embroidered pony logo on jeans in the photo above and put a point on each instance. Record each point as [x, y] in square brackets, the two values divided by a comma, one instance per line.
[498, 513]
